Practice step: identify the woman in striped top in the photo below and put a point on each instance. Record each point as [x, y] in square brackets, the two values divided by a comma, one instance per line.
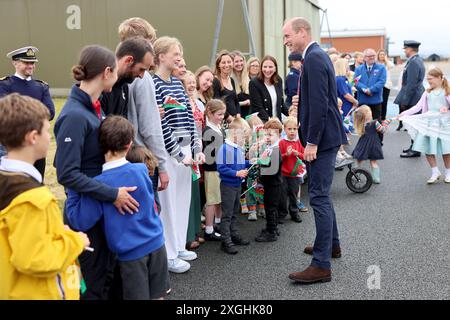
[182, 143]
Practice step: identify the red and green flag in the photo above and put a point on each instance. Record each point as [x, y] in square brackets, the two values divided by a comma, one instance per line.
[171, 103]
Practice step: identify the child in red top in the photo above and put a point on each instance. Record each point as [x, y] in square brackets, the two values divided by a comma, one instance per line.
[292, 170]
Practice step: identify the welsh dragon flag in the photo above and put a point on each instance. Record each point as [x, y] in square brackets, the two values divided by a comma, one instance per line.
[355, 81]
[196, 175]
[299, 169]
[171, 103]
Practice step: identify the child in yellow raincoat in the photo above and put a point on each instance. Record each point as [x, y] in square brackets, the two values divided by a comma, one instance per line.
[37, 252]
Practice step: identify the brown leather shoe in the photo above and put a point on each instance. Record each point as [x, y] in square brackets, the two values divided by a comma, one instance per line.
[335, 253]
[311, 275]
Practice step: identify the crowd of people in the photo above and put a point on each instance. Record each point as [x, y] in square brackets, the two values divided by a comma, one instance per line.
[157, 160]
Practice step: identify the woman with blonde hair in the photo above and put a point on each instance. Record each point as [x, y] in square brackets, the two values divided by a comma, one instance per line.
[359, 60]
[383, 58]
[182, 144]
[242, 80]
[224, 85]
[344, 88]
[253, 67]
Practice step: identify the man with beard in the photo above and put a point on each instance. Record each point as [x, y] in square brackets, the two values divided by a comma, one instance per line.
[134, 57]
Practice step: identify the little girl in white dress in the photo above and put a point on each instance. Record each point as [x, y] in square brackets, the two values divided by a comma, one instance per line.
[431, 129]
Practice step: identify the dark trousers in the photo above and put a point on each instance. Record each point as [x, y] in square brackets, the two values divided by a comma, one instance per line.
[97, 267]
[386, 93]
[320, 178]
[272, 199]
[288, 201]
[40, 166]
[231, 207]
[376, 111]
[145, 278]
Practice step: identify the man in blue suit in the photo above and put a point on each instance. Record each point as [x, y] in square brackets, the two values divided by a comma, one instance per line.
[322, 133]
[412, 86]
[372, 78]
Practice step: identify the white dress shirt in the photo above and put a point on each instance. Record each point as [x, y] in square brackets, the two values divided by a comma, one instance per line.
[18, 166]
[21, 77]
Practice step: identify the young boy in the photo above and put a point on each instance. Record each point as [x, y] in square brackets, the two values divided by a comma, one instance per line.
[137, 239]
[292, 154]
[271, 179]
[232, 168]
[37, 252]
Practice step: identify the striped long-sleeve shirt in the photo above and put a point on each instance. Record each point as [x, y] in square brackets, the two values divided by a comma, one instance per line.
[178, 123]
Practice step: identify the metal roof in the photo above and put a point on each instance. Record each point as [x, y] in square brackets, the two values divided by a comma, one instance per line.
[351, 33]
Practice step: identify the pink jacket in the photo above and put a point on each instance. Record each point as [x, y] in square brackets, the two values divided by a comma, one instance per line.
[422, 105]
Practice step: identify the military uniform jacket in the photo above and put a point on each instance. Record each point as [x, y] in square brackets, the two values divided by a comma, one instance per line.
[36, 89]
[412, 82]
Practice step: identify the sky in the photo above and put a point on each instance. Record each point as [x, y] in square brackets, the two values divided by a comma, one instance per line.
[425, 21]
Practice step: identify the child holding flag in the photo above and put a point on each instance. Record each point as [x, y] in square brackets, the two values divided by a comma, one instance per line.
[255, 190]
[272, 179]
[292, 170]
[232, 168]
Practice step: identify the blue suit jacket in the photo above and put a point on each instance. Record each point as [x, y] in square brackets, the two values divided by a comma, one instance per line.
[319, 117]
[36, 89]
[374, 81]
[412, 82]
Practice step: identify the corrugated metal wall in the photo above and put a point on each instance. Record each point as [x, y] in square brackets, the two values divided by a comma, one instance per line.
[60, 28]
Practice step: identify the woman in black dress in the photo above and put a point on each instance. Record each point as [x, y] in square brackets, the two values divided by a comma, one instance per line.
[225, 87]
[242, 80]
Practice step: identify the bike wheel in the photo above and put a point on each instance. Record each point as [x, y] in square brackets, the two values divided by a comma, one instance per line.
[359, 180]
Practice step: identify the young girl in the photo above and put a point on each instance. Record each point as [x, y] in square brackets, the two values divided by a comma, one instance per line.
[198, 108]
[182, 143]
[369, 144]
[431, 130]
[190, 85]
[140, 154]
[213, 138]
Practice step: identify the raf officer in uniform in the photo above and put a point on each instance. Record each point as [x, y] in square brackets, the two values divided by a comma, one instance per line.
[292, 82]
[24, 61]
[412, 86]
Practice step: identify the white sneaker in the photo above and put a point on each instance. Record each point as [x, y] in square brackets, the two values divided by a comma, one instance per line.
[252, 217]
[447, 179]
[178, 265]
[187, 255]
[434, 178]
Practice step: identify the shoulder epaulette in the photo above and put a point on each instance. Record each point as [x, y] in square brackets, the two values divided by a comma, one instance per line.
[43, 82]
